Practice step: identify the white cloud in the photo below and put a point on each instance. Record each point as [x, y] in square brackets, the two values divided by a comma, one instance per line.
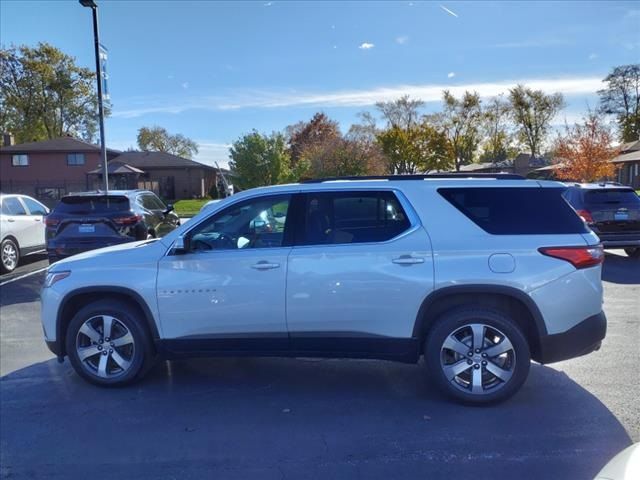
[366, 46]
[451, 74]
[268, 4]
[593, 56]
[210, 152]
[185, 85]
[569, 86]
[449, 11]
[401, 40]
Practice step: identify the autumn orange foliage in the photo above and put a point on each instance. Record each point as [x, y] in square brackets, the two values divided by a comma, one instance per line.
[586, 151]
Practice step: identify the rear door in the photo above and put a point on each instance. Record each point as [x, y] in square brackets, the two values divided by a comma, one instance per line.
[155, 215]
[36, 212]
[361, 267]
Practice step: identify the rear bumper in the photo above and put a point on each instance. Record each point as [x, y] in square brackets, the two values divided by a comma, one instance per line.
[585, 337]
[57, 250]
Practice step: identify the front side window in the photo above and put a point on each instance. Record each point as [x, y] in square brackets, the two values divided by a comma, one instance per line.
[75, 159]
[12, 206]
[151, 202]
[255, 223]
[352, 217]
[20, 160]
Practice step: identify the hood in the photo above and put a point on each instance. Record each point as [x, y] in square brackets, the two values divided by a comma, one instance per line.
[125, 253]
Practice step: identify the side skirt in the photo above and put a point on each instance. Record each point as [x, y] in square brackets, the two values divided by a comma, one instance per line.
[404, 350]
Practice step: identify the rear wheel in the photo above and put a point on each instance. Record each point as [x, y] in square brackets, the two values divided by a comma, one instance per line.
[633, 252]
[107, 344]
[477, 356]
[10, 255]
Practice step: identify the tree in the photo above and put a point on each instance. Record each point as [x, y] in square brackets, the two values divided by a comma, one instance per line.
[622, 99]
[258, 160]
[586, 151]
[419, 148]
[44, 94]
[532, 112]
[460, 121]
[401, 113]
[496, 130]
[158, 139]
[305, 135]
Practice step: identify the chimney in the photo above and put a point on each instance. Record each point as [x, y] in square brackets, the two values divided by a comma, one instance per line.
[7, 139]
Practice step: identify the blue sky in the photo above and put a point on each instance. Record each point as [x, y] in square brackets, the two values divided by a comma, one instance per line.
[215, 70]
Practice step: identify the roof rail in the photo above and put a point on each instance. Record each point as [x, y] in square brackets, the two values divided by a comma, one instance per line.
[462, 175]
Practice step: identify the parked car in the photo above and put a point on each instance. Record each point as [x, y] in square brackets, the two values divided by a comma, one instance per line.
[479, 275]
[612, 211]
[90, 220]
[22, 227]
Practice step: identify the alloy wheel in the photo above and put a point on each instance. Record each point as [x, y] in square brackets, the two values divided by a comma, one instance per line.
[9, 256]
[478, 359]
[105, 346]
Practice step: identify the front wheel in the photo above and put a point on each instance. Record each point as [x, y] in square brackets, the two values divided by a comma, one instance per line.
[477, 355]
[107, 344]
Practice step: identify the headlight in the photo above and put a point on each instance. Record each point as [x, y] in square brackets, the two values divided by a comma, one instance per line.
[54, 277]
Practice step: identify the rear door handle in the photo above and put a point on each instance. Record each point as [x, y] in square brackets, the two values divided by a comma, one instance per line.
[10, 220]
[265, 265]
[408, 260]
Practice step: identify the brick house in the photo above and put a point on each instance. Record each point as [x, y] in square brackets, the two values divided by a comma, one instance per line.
[49, 169]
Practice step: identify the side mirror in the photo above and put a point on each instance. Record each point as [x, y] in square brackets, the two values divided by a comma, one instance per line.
[169, 208]
[182, 245]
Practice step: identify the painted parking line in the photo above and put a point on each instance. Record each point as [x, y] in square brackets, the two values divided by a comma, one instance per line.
[20, 277]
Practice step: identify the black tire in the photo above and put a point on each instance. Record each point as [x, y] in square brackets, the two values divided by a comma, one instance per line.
[141, 358]
[6, 266]
[457, 322]
[633, 253]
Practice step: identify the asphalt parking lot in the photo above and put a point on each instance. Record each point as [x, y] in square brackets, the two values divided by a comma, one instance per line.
[306, 418]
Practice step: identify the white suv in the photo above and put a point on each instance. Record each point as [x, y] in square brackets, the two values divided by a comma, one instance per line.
[22, 227]
[479, 275]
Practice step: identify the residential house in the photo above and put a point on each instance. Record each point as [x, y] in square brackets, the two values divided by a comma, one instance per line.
[523, 164]
[628, 163]
[48, 169]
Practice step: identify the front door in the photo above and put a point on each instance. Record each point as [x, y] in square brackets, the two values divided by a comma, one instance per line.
[231, 280]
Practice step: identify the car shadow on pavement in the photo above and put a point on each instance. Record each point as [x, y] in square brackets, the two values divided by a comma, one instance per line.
[286, 418]
[24, 291]
[618, 268]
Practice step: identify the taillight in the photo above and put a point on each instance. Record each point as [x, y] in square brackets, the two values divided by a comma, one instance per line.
[51, 222]
[579, 257]
[131, 220]
[585, 215]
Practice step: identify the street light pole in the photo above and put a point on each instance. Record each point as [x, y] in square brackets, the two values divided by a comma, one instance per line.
[96, 39]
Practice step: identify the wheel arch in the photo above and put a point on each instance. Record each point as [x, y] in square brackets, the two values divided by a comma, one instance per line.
[516, 303]
[76, 299]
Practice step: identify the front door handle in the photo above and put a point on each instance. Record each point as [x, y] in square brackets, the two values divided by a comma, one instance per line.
[408, 260]
[265, 265]
[11, 220]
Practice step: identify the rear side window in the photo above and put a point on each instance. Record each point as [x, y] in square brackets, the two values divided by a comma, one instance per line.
[35, 208]
[151, 202]
[84, 204]
[12, 206]
[516, 211]
[611, 197]
[352, 217]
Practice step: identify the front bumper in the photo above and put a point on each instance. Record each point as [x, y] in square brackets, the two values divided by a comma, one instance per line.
[585, 337]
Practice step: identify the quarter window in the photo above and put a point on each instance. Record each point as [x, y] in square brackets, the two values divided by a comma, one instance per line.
[35, 208]
[75, 159]
[255, 223]
[20, 160]
[352, 217]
